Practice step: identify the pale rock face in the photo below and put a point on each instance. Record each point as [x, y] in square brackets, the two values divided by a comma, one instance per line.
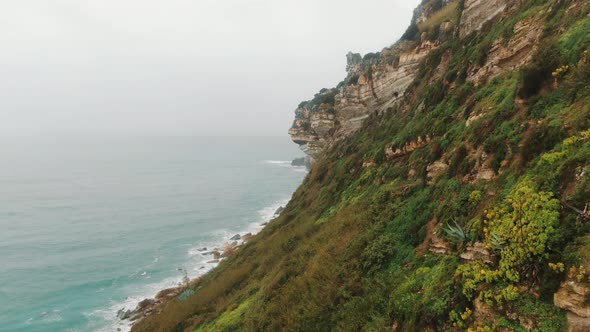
[436, 169]
[477, 12]
[518, 51]
[574, 296]
[576, 323]
[477, 252]
[409, 147]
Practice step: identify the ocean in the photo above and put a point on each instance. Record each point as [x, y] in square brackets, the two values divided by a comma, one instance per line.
[90, 225]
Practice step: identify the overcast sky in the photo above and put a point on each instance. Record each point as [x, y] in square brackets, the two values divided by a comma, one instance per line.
[200, 67]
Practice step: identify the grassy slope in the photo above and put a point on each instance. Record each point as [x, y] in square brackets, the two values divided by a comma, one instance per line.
[343, 254]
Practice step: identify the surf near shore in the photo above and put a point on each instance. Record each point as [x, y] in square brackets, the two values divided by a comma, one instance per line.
[209, 257]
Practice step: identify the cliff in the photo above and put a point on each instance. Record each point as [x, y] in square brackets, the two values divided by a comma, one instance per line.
[450, 189]
[377, 82]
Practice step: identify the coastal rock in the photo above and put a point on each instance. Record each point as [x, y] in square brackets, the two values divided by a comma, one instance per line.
[202, 249]
[375, 84]
[235, 237]
[246, 237]
[123, 314]
[168, 293]
[213, 261]
[216, 254]
[298, 162]
[278, 211]
[143, 308]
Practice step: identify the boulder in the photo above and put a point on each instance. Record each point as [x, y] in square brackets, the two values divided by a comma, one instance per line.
[216, 254]
[123, 314]
[574, 296]
[146, 303]
[298, 162]
[168, 293]
[279, 211]
[576, 323]
[235, 237]
[436, 169]
[477, 252]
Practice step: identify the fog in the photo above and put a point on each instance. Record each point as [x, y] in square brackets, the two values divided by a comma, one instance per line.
[178, 67]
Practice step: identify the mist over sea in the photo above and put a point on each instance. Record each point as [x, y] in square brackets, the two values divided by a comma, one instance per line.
[89, 225]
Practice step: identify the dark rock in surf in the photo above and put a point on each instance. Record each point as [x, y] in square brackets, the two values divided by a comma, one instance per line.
[279, 210]
[298, 162]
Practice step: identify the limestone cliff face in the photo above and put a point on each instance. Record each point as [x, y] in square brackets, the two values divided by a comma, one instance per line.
[477, 12]
[506, 55]
[377, 82]
[373, 84]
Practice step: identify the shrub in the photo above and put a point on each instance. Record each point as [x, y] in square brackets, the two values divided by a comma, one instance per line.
[521, 230]
[575, 39]
[534, 75]
[378, 252]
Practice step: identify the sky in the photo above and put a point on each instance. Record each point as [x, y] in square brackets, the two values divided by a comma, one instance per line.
[179, 67]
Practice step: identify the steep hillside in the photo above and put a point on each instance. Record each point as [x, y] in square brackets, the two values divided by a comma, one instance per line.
[449, 192]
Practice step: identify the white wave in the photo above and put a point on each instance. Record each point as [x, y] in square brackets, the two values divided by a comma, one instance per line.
[278, 162]
[287, 164]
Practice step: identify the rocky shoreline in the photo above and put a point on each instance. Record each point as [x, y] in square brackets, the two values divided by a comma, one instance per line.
[149, 306]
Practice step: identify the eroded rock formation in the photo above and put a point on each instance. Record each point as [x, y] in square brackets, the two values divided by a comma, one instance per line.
[377, 82]
[509, 55]
[477, 12]
[373, 84]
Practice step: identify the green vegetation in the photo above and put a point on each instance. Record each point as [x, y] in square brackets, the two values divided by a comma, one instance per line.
[520, 231]
[449, 13]
[351, 250]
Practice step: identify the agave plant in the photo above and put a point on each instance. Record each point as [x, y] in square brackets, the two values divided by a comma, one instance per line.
[496, 242]
[455, 233]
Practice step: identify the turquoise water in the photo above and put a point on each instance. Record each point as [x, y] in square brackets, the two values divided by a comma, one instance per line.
[90, 225]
